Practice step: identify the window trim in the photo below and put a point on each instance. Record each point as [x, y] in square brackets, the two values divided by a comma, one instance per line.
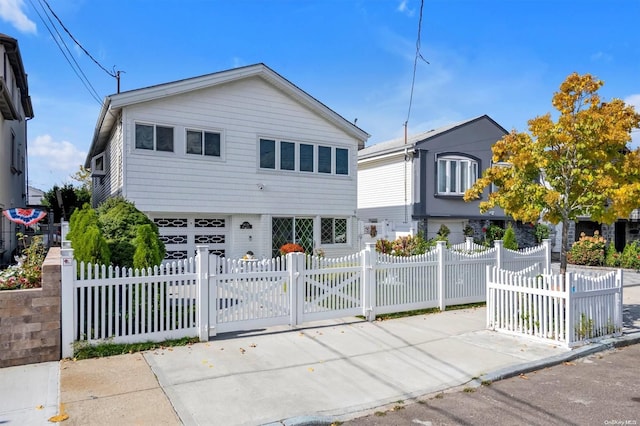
[458, 159]
[96, 171]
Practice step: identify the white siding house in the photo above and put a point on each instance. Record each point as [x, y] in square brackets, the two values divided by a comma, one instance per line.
[15, 110]
[239, 160]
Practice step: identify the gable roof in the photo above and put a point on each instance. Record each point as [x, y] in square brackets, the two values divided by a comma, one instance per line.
[114, 103]
[399, 145]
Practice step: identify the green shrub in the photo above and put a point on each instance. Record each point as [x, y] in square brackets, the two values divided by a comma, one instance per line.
[147, 249]
[443, 233]
[119, 220]
[80, 220]
[612, 257]
[405, 246]
[509, 239]
[630, 257]
[492, 233]
[89, 245]
[587, 250]
[541, 232]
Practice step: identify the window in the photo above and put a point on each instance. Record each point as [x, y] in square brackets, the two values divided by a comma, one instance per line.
[203, 143]
[456, 175]
[306, 157]
[98, 167]
[152, 137]
[303, 157]
[297, 230]
[333, 231]
[342, 161]
[287, 156]
[324, 159]
[267, 154]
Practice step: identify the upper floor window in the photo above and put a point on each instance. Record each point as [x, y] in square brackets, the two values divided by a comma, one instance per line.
[303, 157]
[98, 165]
[456, 174]
[154, 137]
[203, 143]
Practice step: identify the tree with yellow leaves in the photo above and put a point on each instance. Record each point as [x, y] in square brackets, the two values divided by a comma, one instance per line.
[578, 166]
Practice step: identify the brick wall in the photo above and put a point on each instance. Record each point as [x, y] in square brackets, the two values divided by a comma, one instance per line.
[30, 319]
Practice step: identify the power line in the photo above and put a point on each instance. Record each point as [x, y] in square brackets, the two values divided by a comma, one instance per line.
[112, 74]
[83, 78]
[415, 62]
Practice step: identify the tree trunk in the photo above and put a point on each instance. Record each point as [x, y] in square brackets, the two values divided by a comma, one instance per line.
[564, 246]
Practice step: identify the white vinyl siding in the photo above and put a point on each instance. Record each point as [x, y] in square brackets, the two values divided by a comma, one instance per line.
[385, 188]
[246, 110]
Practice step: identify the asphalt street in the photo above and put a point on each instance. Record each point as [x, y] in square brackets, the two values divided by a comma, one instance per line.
[600, 389]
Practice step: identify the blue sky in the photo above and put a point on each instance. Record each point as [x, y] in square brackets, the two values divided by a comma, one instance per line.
[504, 58]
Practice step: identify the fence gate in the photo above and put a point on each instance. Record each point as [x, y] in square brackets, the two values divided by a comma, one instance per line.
[247, 294]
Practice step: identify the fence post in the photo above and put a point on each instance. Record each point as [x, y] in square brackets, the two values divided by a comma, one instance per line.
[68, 307]
[547, 255]
[468, 241]
[202, 284]
[440, 247]
[619, 301]
[369, 260]
[569, 322]
[295, 266]
[64, 230]
[499, 253]
[490, 305]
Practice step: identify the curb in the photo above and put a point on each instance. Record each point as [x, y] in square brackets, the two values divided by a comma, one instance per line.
[501, 374]
[583, 351]
[304, 421]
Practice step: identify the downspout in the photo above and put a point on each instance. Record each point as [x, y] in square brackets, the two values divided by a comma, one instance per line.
[406, 206]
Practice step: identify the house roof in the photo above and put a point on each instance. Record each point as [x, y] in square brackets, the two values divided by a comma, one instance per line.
[399, 144]
[112, 104]
[15, 59]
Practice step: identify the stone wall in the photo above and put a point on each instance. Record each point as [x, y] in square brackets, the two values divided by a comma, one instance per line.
[30, 319]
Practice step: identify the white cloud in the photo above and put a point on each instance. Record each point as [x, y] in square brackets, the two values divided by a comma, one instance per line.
[11, 11]
[52, 162]
[404, 8]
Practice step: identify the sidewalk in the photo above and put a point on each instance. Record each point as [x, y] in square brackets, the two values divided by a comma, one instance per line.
[329, 371]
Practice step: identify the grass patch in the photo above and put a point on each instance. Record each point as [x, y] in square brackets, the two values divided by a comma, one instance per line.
[379, 414]
[486, 383]
[428, 311]
[85, 351]
[468, 390]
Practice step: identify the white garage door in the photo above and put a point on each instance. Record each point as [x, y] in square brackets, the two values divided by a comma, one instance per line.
[181, 235]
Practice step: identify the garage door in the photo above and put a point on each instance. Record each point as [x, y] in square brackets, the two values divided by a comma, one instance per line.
[181, 235]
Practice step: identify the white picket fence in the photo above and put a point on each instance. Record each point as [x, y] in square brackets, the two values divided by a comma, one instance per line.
[207, 295]
[570, 309]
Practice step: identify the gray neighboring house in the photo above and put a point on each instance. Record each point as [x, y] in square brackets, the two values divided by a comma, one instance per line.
[417, 185]
[15, 110]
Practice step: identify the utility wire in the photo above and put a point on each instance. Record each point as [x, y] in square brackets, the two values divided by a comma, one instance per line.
[415, 62]
[84, 80]
[77, 42]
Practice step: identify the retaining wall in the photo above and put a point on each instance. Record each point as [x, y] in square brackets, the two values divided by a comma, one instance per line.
[30, 319]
